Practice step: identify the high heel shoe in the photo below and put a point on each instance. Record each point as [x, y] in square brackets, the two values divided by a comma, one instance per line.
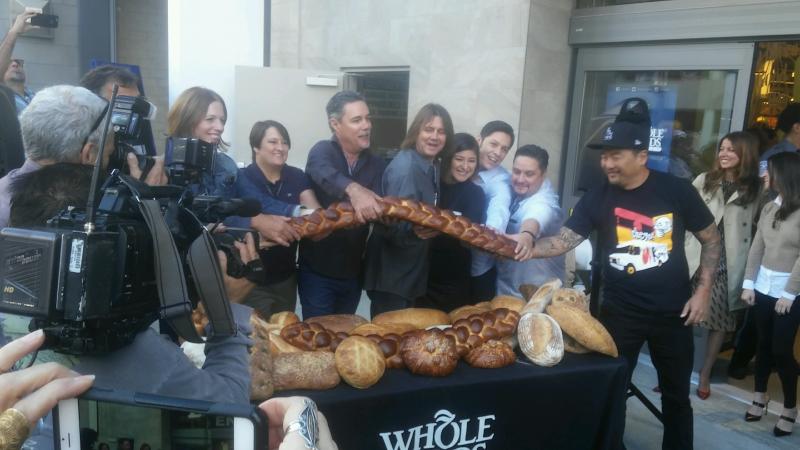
[755, 418]
[780, 433]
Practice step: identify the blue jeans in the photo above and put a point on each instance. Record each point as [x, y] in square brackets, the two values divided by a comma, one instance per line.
[321, 295]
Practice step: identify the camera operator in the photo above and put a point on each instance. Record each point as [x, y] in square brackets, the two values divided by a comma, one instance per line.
[13, 69]
[101, 81]
[151, 363]
[62, 124]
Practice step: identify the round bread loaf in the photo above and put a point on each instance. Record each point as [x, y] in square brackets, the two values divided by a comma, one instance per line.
[584, 328]
[338, 323]
[420, 318]
[429, 352]
[571, 297]
[508, 302]
[360, 362]
[284, 318]
[491, 354]
[540, 339]
[382, 330]
[465, 311]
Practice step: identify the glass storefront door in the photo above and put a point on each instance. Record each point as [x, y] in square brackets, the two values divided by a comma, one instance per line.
[696, 94]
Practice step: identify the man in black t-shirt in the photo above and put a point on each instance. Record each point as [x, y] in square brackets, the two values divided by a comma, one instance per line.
[641, 217]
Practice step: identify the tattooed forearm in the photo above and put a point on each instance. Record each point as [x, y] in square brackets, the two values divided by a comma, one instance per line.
[557, 245]
[710, 253]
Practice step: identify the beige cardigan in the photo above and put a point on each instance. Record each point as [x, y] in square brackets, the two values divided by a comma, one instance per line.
[738, 232]
[777, 248]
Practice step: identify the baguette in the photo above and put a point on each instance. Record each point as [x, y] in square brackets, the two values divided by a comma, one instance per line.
[584, 328]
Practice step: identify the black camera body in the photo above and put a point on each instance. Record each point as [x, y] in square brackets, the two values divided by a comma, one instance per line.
[130, 120]
[187, 159]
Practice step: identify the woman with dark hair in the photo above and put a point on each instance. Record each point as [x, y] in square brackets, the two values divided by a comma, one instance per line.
[771, 284]
[200, 113]
[730, 189]
[397, 254]
[270, 178]
[450, 260]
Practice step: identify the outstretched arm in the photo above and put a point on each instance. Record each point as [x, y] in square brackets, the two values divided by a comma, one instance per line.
[557, 245]
[696, 309]
[20, 26]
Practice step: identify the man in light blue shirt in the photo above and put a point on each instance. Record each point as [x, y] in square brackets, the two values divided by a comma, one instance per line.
[789, 123]
[495, 141]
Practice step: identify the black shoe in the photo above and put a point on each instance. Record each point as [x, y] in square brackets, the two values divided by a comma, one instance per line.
[755, 418]
[780, 433]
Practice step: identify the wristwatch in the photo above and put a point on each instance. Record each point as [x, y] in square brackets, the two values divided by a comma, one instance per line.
[306, 425]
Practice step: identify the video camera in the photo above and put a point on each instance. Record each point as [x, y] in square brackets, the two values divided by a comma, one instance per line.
[130, 120]
[93, 278]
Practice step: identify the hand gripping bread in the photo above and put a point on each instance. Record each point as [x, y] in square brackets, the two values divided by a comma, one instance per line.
[540, 339]
[584, 328]
[571, 297]
[341, 215]
[542, 297]
[360, 362]
[311, 336]
[338, 323]
[491, 354]
[420, 318]
[429, 352]
[382, 330]
[261, 387]
[509, 302]
[305, 370]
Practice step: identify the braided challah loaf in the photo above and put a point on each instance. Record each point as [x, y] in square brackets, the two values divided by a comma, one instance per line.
[341, 215]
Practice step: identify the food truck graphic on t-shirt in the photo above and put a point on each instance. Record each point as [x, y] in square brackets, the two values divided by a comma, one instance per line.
[642, 242]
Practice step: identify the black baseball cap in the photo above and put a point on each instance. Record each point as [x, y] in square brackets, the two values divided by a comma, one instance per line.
[630, 130]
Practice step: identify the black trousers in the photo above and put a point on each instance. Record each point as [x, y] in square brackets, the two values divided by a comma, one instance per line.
[672, 351]
[775, 346]
[484, 287]
[386, 301]
[746, 342]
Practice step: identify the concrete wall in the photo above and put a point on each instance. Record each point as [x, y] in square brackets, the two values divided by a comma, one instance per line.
[49, 61]
[142, 40]
[546, 80]
[468, 55]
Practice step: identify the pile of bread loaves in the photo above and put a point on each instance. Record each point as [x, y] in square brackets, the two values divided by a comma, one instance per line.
[320, 352]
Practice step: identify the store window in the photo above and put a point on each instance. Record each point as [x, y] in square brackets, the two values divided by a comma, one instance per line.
[776, 83]
[690, 111]
[387, 96]
[598, 3]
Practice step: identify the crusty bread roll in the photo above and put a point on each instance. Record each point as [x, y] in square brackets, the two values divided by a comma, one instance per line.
[572, 346]
[429, 352]
[484, 305]
[304, 370]
[420, 318]
[284, 318]
[382, 330]
[540, 339]
[261, 387]
[541, 298]
[338, 323]
[527, 290]
[465, 311]
[360, 362]
[584, 328]
[571, 297]
[509, 302]
[491, 354]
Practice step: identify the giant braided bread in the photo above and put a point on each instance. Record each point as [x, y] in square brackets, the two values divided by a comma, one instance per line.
[342, 215]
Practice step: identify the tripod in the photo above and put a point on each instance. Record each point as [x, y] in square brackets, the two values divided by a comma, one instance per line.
[594, 307]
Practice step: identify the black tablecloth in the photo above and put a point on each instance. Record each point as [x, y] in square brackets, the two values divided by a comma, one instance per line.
[578, 404]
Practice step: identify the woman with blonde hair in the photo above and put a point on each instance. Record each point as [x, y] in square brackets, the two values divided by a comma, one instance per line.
[200, 113]
[730, 189]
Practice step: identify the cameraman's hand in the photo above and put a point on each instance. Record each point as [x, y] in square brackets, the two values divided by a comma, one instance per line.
[281, 411]
[275, 229]
[157, 175]
[238, 288]
[36, 390]
[22, 23]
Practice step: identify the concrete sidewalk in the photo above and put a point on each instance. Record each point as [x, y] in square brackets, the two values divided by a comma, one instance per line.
[718, 421]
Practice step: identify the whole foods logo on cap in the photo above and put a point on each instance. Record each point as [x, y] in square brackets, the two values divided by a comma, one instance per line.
[445, 433]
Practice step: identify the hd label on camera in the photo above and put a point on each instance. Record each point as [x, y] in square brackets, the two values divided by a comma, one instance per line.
[76, 256]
